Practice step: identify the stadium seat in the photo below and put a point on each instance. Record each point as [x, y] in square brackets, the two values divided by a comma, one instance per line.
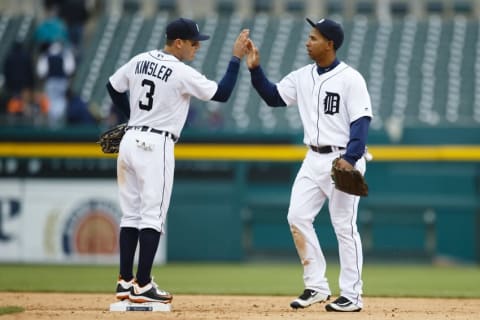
[167, 5]
[399, 8]
[263, 5]
[335, 7]
[463, 7]
[434, 6]
[225, 7]
[131, 6]
[365, 8]
[295, 7]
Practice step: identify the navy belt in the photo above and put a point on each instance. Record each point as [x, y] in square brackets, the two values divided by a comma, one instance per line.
[326, 149]
[150, 129]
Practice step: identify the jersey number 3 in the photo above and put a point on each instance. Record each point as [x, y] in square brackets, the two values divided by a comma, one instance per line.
[148, 95]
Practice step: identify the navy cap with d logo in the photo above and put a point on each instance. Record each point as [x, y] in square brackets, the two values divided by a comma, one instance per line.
[185, 29]
[330, 30]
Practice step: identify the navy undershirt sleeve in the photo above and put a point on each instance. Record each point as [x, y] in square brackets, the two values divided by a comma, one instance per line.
[226, 85]
[267, 90]
[358, 139]
[119, 99]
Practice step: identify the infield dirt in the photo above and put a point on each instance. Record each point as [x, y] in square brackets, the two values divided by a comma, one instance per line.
[192, 307]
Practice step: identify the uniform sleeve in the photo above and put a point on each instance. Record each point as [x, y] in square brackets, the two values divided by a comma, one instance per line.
[267, 90]
[358, 140]
[358, 99]
[226, 85]
[197, 85]
[119, 79]
[120, 100]
[287, 88]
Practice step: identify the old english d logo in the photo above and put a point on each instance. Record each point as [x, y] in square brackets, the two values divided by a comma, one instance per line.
[331, 103]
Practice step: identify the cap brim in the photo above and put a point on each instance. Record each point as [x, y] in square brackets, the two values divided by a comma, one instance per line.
[201, 37]
[313, 24]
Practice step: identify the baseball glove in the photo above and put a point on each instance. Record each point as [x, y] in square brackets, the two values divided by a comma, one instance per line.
[349, 181]
[110, 139]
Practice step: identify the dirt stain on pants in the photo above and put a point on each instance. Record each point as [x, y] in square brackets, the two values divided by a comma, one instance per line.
[300, 243]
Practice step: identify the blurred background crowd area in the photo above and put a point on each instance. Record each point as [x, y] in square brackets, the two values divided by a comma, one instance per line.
[420, 58]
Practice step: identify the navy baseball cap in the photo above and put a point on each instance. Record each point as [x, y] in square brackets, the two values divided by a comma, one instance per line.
[330, 30]
[185, 29]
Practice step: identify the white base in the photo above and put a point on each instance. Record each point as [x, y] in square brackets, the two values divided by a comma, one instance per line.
[147, 306]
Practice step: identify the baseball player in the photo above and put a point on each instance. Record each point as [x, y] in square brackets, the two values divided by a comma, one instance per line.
[159, 87]
[335, 109]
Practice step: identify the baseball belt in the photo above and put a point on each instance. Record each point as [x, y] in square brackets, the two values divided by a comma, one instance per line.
[150, 129]
[326, 149]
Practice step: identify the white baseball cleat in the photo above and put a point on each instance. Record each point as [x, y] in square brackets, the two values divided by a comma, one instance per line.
[307, 298]
[342, 304]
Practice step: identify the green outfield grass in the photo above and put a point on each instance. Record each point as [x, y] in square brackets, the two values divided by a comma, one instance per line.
[247, 279]
[10, 309]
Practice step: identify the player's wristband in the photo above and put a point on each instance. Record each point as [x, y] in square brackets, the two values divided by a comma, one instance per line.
[255, 70]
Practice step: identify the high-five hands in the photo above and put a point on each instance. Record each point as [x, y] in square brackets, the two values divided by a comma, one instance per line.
[245, 46]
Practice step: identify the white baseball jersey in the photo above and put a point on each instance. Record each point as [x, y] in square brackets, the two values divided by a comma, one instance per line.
[327, 103]
[160, 89]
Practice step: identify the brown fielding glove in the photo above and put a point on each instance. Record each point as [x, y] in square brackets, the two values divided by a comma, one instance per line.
[349, 181]
[110, 139]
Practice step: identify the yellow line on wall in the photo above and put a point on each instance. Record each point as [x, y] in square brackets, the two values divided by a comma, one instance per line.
[426, 153]
[244, 152]
[50, 150]
[240, 152]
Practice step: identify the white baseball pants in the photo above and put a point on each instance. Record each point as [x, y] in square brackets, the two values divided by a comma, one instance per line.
[313, 185]
[145, 168]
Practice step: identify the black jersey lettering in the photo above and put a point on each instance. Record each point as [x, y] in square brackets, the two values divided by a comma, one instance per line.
[151, 68]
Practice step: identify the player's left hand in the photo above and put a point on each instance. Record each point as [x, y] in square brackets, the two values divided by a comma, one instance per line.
[253, 57]
[343, 164]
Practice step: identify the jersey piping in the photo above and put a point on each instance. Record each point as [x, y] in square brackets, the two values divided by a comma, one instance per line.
[173, 58]
[164, 180]
[318, 98]
[352, 224]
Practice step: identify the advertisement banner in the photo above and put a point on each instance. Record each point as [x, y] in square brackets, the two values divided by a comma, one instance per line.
[61, 221]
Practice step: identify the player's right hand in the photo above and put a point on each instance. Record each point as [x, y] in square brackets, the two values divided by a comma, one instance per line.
[253, 56]
[240, 45]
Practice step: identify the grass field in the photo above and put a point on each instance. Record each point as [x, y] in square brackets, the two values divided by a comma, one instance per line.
[247, 279]
[10, 309]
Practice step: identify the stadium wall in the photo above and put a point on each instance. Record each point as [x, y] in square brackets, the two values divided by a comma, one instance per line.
[230, 200]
